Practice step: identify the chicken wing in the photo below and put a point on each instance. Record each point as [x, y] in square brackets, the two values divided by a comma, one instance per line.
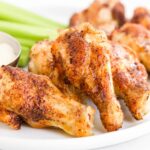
[138, 38]
[41, 104]
[102, 14]
[80, 53]
[142, 16]
[130, 79]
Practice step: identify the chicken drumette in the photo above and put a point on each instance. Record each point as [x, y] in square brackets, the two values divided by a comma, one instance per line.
[138, 38]
[85, 57]
[40, 104]
[142, 16]
[102, 14]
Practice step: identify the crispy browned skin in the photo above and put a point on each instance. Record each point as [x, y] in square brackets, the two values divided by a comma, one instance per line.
[130, 79]
[142, 16]
[42, 62]
[41, 104]
[102, 14]
[138, 38]
[129, 76]
[10, 118]
[80, 53]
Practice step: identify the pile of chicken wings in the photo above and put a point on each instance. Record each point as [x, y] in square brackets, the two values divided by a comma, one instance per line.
[102, 56]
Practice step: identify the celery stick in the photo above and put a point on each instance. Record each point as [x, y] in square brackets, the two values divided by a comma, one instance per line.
[26, 42]
[12, 13]
[26, 31]
[24, 57]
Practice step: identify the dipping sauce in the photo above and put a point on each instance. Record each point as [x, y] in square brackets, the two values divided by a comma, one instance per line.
[7, 54]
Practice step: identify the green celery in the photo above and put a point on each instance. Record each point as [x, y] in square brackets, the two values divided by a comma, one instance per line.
[12, 13]
[24, 57]
[26, 42]
[26, 31]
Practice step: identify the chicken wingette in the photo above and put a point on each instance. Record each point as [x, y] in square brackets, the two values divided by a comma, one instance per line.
[79, 53]
[142, 16]
[102, 14]
[138, 38]
[40, 104]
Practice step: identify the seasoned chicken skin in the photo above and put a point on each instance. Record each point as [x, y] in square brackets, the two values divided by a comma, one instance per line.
[35, 99]
[10, 118]
[42, 62]
[138, 38]
[142, 16]
[74, 60]
[129, 75]
[130, 79]
[102, 14]
[79, 53]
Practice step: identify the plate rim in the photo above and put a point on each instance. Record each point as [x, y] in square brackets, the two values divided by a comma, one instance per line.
[91, 142]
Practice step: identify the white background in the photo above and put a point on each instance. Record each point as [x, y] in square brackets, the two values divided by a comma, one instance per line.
[50, 7]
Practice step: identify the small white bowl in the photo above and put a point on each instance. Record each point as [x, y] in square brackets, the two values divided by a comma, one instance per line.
[6, 38]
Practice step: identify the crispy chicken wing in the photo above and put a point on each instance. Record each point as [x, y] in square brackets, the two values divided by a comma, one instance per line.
[138, 38]
[130, 79]
[142, 16]
[41, 104]
[102, 14]
[81, 54]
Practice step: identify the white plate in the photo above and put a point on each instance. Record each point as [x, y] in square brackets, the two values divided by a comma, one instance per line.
[29, 138]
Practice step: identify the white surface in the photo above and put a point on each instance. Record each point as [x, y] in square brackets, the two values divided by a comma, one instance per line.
[28, 138]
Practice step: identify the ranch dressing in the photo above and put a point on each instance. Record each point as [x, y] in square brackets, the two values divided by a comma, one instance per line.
[7, 54]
